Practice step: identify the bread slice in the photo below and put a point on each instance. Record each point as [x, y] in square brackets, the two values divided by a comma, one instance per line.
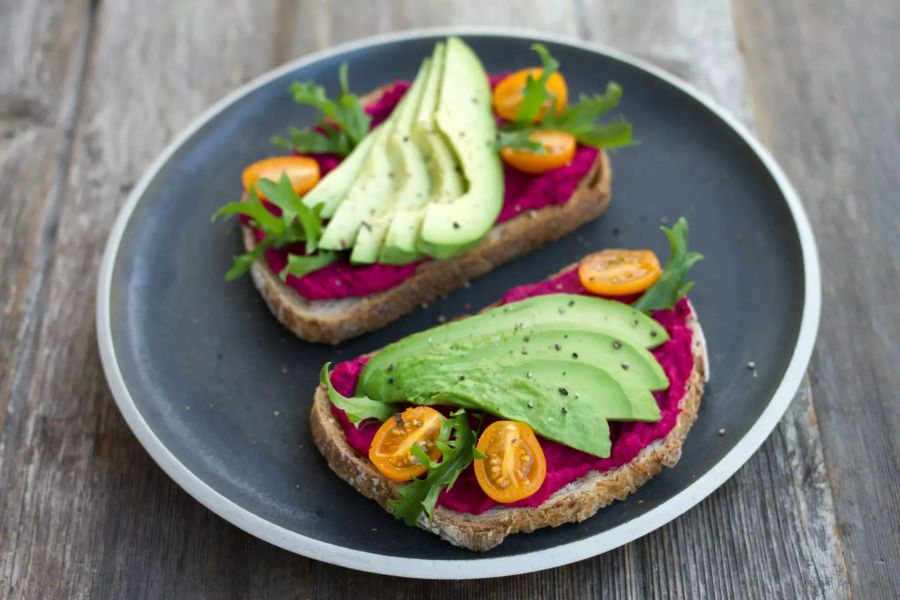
[574, 502]
[333, 321]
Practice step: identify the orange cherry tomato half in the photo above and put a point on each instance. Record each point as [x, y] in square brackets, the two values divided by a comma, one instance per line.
[513, 466]
[507, 95]
[619, 272]
[391, 449]
[301, 170]
[559, 149]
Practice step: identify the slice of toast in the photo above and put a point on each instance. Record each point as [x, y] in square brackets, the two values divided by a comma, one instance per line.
[333, 321]
[574, 502]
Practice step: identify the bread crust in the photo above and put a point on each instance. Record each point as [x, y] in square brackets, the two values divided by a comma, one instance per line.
[574, 502]
[333, 321]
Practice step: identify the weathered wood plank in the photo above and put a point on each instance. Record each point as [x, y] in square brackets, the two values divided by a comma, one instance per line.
[824, 79]
[85, 512]
[42, 45]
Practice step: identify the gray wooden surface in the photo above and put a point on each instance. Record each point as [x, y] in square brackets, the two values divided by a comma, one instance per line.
[90, 92]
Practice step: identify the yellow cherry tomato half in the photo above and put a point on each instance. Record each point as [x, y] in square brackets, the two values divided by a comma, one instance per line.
[513, 466]
[301, 170]
[391, 449]
[508, 93]
[559, 149]
[617, 272]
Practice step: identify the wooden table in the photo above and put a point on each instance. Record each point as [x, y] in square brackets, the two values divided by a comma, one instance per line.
[90, 92]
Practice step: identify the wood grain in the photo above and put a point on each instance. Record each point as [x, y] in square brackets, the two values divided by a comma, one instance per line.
[43, 46]
[97, 91]
[824, 77]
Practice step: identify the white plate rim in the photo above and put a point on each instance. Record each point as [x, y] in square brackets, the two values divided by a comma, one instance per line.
[477, 566]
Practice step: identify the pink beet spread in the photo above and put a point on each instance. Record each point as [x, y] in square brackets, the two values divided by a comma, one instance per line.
[564, 464]
[523, 192]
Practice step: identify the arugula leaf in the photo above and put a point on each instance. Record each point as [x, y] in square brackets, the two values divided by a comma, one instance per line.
[357, 408]
[256, 211]
[355, 120]
[519, 140]
[671, 285]
[325, 140]
[603, 135]
[243, 262]
[456, 454]
[297, 223]
[284, 197]
[301, 265]
[535, 94]
[588, 109]
[342, 126]
[579, 119]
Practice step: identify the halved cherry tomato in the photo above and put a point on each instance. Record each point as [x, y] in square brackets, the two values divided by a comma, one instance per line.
[507, 95]
[301, 170]
[390, 451]
[513, 466]
[559, 149]
[619, 272]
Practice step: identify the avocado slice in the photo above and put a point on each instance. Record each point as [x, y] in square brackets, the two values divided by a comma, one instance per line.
[464, 118]
[565, 401]
[630, 364]
[562, 363]
[372, 186]
[334, 186]
[411, 184]
[443, 171]
[574, 312]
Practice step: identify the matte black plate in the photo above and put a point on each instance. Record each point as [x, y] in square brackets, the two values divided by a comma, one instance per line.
[219, 392]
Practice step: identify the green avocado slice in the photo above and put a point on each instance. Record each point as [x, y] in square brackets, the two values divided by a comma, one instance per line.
[372, 186]
[333, 188]
[630, 364]
[400, 244]
[370, 194]
[569, 311]
[411, 184]
[565, 401]
[464, 118]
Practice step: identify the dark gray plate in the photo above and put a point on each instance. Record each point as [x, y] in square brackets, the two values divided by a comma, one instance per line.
[218, 392]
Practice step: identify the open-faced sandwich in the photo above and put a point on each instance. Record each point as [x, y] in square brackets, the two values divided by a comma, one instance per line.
[400, 196]
[565, 396]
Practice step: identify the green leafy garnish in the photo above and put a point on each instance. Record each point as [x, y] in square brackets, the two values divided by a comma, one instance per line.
[535, 94]
[358, 409]
[579, 119]
[301, 265]
[671, 286]
[456, 443]
[297, 223]
[341, 127]
[519, 139]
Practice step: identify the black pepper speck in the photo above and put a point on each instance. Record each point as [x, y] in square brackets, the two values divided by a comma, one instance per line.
[563, 391]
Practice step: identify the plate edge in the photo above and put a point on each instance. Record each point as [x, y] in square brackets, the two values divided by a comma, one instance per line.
[486, 567]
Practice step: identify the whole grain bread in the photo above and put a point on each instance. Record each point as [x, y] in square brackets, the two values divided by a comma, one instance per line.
[333, 321]
[574, 502]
